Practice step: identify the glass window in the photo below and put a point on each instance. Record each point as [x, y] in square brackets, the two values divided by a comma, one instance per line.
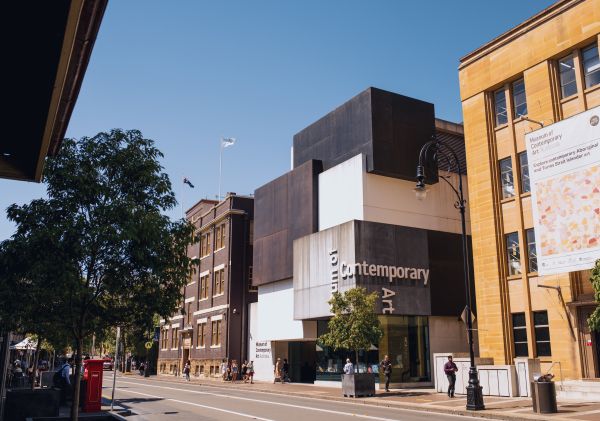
[525, 186]
[519, 99]
[542, 333]
[531, 253]
[506, 177]
[520, 335]
[216, 333]
[500, 107]
[201, 334]
[204, 287]
[188, 313]
[566, 71]
[591, 65]
[205, 245]
[513, 254]
[219, 282]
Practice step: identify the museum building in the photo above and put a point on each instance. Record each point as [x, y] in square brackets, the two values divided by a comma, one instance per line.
[531, 93]
[346, 215]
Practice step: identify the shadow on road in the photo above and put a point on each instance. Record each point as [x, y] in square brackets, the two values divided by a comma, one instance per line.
[137, 400]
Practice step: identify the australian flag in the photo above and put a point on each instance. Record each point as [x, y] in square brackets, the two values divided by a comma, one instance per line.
[188, 182]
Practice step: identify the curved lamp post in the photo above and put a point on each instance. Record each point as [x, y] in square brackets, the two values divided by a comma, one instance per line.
[443, 155]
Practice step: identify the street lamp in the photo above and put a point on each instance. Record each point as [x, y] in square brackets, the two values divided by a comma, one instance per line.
[443, 155]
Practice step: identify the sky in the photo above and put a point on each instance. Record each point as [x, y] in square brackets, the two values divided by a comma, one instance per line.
[187, 73]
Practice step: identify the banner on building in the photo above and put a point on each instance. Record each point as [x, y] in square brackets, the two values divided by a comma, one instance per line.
[564, 170]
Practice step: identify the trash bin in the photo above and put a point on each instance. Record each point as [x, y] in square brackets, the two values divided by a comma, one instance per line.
[543, 395]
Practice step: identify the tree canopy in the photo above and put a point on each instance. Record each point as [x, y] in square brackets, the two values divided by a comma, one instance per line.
[99, 250]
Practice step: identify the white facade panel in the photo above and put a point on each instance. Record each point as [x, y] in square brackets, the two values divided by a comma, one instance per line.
[341, 193]
[276, 312]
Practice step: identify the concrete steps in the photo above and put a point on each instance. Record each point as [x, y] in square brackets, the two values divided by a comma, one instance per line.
[584, 390]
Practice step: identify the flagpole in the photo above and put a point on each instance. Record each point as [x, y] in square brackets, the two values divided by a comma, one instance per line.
[220, 166]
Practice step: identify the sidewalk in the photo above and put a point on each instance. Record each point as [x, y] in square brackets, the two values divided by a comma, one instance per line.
[417, 399]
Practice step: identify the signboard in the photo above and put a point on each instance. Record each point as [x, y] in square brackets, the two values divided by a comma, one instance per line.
[263, 350]
[564, 170]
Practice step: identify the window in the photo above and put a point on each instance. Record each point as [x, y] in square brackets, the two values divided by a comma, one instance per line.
[525, 186]
[519, 99]
[205, 245]
[506, 178]
[219, 282]
[216, 333]
[188, 313]
[175, 338]
[201, 338]
[542, 333]
[500, 107]
[566, 71]
[220, 237]
[513, 254]
[204, 286]
[520, 335]
[531, 253]
[164, 339]
[251, 288]
[591, 65]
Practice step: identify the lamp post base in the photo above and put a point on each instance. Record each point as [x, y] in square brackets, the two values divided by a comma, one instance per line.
[474, 392]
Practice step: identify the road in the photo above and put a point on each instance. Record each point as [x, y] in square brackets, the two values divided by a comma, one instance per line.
[162, 400]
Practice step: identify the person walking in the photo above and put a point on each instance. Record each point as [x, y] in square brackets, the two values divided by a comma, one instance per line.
[244, 370]
[224, 369]
[349, 367]
[450, 369]
[186, 370]
[386, 368]
[250, 372]
[234, 371]
[62, 380]
[277, 372]
[285, 372]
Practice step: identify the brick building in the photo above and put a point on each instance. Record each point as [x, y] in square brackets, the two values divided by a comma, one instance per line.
[212, 321]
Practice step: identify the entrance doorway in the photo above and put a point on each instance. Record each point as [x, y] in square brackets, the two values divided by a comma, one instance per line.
[589, 344]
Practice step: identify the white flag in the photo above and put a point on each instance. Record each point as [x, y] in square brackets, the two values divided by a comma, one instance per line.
[227, 141]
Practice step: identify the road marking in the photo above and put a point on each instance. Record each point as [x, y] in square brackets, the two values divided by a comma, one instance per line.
[289, 405]
[255, 417]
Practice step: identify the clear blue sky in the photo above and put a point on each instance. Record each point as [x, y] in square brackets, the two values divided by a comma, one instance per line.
[188, 72]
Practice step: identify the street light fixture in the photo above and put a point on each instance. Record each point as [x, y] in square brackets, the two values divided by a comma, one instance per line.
[442, 154]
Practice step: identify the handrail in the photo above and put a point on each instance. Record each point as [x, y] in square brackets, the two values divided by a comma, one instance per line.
[560, 371]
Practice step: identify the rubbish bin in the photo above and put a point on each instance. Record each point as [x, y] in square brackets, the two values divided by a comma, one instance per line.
[543, 395]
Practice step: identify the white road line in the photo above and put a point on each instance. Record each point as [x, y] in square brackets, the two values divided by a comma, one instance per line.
[289, 405]
[214, 408]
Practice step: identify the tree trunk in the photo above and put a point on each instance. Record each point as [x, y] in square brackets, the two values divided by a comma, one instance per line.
[76, 382]
[35, 362]
[356, 352]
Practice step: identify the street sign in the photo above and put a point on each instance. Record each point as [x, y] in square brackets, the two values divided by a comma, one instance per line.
[148, 345]
[463, 316]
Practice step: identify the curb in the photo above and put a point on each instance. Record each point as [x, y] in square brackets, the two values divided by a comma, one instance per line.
[485, 414]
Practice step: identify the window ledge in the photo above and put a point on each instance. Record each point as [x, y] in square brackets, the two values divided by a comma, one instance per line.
[532, 274]
[174, 349]
[513, 277]
[219, 295]
[219, 249]
[500, 127]
[203, 299]
[204, 257]
[508, 199]
[191, 283]
[201, 347]
[592, 89]
[520, 118]
[526, 194]
[569, 98]
[215, 346]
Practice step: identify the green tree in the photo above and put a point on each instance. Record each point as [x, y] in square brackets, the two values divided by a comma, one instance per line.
[354, 325]
[105, 252]
[594, 319]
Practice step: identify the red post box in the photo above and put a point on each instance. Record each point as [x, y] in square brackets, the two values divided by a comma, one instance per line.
[92, 374]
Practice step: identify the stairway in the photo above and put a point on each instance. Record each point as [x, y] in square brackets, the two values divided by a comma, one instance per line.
[582, 390]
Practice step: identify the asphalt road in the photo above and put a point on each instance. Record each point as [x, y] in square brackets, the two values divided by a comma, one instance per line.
[159, 400]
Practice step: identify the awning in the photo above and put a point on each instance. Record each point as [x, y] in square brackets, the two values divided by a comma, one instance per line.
[27, 343]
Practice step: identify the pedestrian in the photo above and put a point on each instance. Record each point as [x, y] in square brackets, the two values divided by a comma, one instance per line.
[245, 371]
[285, 371]
[349, 367]
[450, 369]
[142, 368]
[224, 369]
[277, 372]
[250, 372]
[62, 380]
[234, 371]
[186, 370]
[386, 367]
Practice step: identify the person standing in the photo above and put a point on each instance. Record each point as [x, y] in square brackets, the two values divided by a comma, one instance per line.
[386, 368]
[245, 371]
[234, 371]
[186, 370]
[250, 371]
[349, 367]
[450, 369]
[285, 371]
[277, 372]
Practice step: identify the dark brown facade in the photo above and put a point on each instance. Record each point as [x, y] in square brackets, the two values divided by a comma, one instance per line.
[212, 322]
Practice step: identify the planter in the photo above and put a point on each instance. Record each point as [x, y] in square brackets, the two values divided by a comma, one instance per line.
[359, 384]
[24, 403]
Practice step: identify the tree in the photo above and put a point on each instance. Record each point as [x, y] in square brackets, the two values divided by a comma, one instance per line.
[102, 252]
[594, 319]
[354, 325]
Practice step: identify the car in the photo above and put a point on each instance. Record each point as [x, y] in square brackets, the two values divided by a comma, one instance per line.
[107, 365]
